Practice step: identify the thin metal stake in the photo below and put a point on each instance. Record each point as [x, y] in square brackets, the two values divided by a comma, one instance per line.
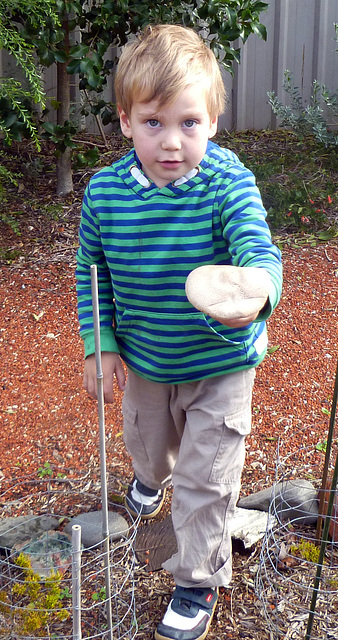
[328, 515]
[100, 400]
[327, 457]
[76, 581]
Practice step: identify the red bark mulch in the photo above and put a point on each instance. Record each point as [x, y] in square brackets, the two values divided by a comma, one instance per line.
[47, 417]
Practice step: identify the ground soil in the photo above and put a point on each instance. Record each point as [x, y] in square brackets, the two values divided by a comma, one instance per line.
[47, 417]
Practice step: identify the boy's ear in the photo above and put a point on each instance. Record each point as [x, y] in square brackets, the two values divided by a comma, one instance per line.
[213, 127]
[124, 122]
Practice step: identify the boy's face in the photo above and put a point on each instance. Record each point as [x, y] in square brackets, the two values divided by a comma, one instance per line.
[171, 140]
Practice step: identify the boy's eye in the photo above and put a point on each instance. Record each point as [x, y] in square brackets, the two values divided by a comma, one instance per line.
[153, 123]
[189, 123]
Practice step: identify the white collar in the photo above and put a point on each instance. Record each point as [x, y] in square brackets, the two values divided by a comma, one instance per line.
[145, 182]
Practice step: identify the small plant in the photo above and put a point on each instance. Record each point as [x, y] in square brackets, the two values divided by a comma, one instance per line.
[52, 210]
[297, 183]
[36, 601]
[7, 178]
[46, 470]
[99, 596]
[86, 158]
[65, 593]
[321, 446]
[306, 550]
[310, 118]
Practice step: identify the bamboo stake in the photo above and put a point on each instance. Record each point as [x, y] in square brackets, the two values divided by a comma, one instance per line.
[100, 400]
[76, 581]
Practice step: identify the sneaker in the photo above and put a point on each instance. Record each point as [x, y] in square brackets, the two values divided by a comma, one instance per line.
[140, 499]
[188, 615]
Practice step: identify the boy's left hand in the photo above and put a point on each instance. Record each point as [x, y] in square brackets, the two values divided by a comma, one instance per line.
[233, 296]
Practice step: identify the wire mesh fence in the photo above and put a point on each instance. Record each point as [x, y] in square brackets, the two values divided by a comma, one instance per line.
[293, 584]
[39, 603]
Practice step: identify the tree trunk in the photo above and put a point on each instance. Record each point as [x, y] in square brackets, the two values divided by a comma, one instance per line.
[64, 177]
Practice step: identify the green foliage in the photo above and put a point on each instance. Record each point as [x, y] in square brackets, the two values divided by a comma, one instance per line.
[15, 101]
[61, 135]
[298, 183]
[16, 114]
[99, 596]
[306, 550]
[46, 470]
[317, 117]
[111, 22]
[13, 41]
[86, 158]
[37, 601]
[7, 177]
[321, 446]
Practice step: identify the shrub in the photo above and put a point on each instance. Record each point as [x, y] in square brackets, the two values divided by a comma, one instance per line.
[311, 117]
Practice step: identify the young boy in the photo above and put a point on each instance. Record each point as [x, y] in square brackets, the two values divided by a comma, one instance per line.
[187, 277]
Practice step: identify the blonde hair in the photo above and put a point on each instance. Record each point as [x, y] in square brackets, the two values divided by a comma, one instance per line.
[162, 62]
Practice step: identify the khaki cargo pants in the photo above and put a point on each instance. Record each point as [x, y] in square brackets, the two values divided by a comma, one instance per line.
[193, 436]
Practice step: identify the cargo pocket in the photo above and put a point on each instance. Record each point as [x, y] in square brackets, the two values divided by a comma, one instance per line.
[229, 460]
[132, 436]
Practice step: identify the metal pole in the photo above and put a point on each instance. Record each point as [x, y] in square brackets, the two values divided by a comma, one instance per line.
[100, 400]
[322, 551]
[327, 457]
[328, 516]
[76, 581]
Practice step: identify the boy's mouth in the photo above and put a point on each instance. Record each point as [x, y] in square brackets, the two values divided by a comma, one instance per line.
[170, 164]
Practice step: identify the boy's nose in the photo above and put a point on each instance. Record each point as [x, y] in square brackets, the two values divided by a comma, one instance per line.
[171, 141]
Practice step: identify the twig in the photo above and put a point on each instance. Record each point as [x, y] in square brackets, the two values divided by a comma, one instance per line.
[98, 122]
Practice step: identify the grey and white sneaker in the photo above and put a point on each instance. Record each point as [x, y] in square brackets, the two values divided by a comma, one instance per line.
[142, 500]
[189, 614]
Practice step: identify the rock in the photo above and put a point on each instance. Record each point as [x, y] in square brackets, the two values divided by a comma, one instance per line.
[91, 527]
[293, 500]
[226, 292]
[16, 530]
[49, 552]
[250, 525]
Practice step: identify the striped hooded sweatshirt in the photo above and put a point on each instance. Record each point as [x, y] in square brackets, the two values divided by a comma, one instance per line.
[145, 241]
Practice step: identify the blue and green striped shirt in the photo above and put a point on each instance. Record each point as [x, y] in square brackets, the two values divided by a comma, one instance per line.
[145, 241]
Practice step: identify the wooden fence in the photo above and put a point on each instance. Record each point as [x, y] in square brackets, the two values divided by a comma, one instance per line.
[301, 38]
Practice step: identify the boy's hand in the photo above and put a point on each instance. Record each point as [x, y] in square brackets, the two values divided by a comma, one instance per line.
[111, 366]
[232, 295]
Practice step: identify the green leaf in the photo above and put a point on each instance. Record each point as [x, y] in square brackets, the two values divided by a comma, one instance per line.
[259, 6]
[79, 51]
[272, 350]
[328, 234]
[47, 58]
[60, 56]
[10, 119]
[260, 30]
[93, 79]
[86, 65]
[321, 446]
[50, 127]
[73, 66]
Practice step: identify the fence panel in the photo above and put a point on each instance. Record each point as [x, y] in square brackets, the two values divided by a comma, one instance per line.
[301, 38]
